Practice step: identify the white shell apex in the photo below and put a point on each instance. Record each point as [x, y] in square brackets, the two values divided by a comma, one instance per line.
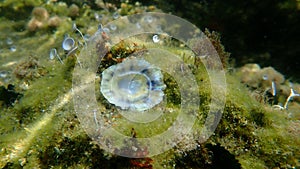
[133, 84]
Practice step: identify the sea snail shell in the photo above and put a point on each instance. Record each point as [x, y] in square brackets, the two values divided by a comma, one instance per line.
[133, 84]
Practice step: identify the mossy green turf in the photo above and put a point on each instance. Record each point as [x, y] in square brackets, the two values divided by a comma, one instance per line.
[254, 133]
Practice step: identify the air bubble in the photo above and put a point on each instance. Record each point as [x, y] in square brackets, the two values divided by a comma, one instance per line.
[68, 43]
[52, 53]
[106, 30]
[138, 25]
[98, 17]
[155, 38]
[74, 27]
[265, 77]
[86, 37]
[116, 15]
[9, 41]
[158, 28]
[113, 27]
[149, 19]
[13, 48]
[3, 74]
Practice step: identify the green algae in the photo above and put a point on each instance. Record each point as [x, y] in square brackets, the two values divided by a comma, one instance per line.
[42, 130]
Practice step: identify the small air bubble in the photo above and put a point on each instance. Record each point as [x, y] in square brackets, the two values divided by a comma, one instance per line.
[113, 27]
[9, 41]
[155, 39]
[86, 37]
[138, 25]
[265, 77]
[3, 74]
[52, 53]
[116, 15]
[106, 30]
[98, 17]
[74, 27]
[13, 48]
[149, 19]
[158, 28]
[68, 43]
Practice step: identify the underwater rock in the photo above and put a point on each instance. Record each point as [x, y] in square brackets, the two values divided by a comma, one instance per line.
[271, 75]
[268, 85]
[133, 84]
[29, 69]
[73, 11]
[54, 21]
[34, 25]
[39, 18]
[255, 76]
[40, 13]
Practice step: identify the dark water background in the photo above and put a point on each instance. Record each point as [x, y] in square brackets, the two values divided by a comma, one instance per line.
[253, 31]
[265, 32]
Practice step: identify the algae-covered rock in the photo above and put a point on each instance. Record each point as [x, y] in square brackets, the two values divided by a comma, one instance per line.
[268, 84]
[42, 130]
[256, 77]
[29, 69]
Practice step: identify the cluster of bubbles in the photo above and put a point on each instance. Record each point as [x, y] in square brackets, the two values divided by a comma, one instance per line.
[99, 17]
[11, 45]
[69, 45]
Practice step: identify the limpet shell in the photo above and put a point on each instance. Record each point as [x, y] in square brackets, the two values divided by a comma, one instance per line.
[133, 84]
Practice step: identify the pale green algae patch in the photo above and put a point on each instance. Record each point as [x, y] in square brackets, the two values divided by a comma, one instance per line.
[41, 129]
